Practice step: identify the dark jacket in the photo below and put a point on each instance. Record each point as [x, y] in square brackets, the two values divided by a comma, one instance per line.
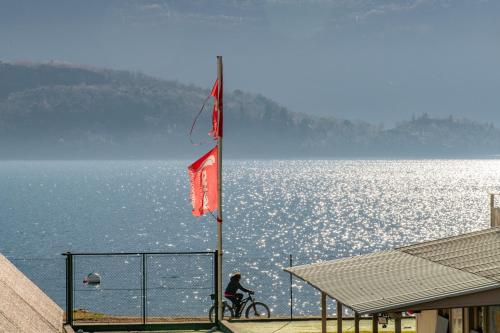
[233, 287]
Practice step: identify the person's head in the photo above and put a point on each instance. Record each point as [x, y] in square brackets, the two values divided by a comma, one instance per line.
[236, 276]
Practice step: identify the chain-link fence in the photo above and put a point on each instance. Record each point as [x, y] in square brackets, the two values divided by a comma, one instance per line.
[165, 287]
[285, 295]
[139, 287]
[47, 273]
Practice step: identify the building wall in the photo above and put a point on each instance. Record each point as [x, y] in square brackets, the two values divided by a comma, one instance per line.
[426, 321]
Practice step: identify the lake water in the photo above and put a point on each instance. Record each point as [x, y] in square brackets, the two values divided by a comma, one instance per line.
[312, 209]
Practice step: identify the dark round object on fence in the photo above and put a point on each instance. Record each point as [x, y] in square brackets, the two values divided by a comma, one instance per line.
[92, 278]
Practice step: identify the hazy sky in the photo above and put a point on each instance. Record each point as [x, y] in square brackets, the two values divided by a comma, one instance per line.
[377, 60]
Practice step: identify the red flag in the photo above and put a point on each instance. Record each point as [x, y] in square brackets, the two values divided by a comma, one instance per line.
[216, 131]
[215, 89]
[203, 177]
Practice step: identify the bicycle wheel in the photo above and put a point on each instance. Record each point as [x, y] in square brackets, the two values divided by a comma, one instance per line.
[228, 313]
[258, 310]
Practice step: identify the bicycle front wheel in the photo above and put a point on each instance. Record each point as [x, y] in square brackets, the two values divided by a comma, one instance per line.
[228, 313]
[258, 310]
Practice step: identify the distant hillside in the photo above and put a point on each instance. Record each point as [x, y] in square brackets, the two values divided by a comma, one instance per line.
[60, 111]
[448, 136]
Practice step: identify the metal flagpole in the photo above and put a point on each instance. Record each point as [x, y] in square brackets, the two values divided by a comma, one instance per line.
[219, 186]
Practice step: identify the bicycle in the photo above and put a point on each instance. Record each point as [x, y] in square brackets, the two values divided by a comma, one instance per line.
[253, 310]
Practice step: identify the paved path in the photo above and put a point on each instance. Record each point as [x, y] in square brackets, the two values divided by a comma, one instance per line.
[200, 331]
[314, 326]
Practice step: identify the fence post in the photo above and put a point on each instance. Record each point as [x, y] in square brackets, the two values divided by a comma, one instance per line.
[216, 285]
[291, 289]
[144, 295]
[69, 288]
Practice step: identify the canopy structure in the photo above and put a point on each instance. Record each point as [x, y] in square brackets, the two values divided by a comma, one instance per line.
[409, 276]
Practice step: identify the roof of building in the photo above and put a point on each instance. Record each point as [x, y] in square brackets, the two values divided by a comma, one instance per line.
[410, 275]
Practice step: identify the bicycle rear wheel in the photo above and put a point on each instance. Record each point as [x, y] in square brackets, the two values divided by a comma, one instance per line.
[258, 310]
[228, 313]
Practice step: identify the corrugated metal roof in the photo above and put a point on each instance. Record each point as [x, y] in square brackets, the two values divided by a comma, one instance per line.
[476, 253]
[410, 275]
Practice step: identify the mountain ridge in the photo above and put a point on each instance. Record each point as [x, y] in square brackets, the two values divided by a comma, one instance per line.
[69, 111]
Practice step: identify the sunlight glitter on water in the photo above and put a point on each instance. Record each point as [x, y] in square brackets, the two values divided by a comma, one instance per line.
[315, 210]
[339, 208]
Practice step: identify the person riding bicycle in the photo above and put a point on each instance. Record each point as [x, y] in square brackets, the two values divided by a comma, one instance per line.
[231, 292]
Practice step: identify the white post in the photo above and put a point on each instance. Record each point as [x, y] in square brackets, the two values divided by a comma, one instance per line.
[219, 185]
[492, 210]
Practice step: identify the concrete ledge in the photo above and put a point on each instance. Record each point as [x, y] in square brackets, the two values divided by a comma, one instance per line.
[24, 308]
[142, 327]
[228, 327]
[68, 329]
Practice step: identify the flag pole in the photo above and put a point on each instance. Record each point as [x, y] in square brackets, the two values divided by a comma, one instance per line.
[219, 186]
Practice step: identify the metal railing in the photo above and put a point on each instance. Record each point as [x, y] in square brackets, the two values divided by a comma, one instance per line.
[286, 296]
[166, 287]
[139, 288]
